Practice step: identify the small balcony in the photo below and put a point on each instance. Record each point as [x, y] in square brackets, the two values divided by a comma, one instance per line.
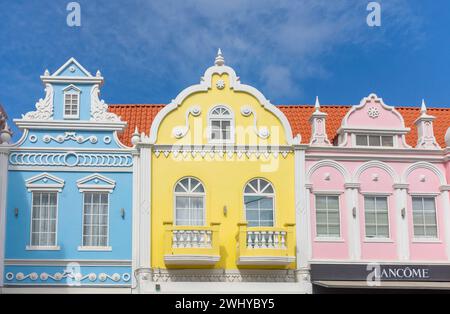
[266, 246]
[191, 245]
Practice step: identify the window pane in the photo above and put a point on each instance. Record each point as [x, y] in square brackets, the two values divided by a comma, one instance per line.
[369, 203]
[388, 141]
[333, 202]
[361, 140]
[321, 202]
[374, 140]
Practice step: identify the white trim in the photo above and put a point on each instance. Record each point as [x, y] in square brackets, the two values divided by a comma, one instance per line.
[96, 248]
[259, 193]
[191, 259]
[376, 164]
[266, 260]
[3, 196]
[43, 248]
[70, 169]
[68, 91]
[108, 187]
[64, 262]
[231, 118]
[425, 165]
[66, 290]
[58, 186]
[205, 85]
[72, 60]
[69, 125]
[388, 200]
[328, 163]
[189, 194]
[326, 192]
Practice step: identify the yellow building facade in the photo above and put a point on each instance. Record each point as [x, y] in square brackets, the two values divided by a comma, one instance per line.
[221, 196]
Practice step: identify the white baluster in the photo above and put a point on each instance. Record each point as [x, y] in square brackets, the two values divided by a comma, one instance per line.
[208, 238]
[174, 238]
[270, 239]
[283, 239]
[201, 238]
[181, 242]
[249, 239]
[276, 240]
[189, 238]
[264, 239]
[195, 238]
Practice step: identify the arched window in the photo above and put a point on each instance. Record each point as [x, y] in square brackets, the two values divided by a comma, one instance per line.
[259, 203]
[221, 124]
[189, 203]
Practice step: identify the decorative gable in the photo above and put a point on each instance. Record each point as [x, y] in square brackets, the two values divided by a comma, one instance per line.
[44, 181]
[96, 182]
[72, 69]
[383, 125]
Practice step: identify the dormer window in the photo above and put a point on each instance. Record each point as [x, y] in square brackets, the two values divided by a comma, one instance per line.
[221, 125]
[374, 140]
[71, 102]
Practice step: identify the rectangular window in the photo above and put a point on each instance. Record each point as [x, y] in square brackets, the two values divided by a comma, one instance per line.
[375, 140]
[189, 211]
[327, 216]
[376, 216]
[259, 210]
[71, 105]
[424, 217]
[43, 219]
[95, 219]
[220, 129]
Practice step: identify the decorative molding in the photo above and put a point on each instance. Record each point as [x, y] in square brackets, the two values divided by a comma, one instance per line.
[55, 184]
[181, 131]
[69, 136]
[191, 259]
[262, 132]
[69, 276]
[205, 85]
[160, 275]
[65, 65]
[70, 159]
[107, 184]
[220, 152]
[266, 260]
[65, 262]
[328, 163]
[376, 164]
[425, 130]
[373, 112]
[44, 107]
[99, 109]
[424, 165]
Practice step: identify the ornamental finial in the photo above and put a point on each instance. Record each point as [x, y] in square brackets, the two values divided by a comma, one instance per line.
[317, 105]
[423, 109]
[219, 58]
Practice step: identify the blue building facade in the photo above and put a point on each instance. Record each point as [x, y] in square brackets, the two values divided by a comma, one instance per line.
[68, 212]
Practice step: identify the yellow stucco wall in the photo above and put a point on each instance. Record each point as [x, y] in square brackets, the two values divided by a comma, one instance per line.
[223, 178]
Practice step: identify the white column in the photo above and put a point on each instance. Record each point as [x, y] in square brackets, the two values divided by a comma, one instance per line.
[354, 233]
[302, 222]
[135, 225]
[142, 219]
[446, 204]
[401, 217]
[3, 190]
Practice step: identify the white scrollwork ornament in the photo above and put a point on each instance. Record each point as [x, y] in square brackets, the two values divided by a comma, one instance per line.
[181, 131]
[44, 107]
[262, 132]
[99, 109]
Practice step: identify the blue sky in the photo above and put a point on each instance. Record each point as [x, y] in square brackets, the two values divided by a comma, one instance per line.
[148, 51]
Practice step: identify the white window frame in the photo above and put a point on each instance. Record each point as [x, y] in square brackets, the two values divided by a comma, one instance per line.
[377, 237]
[212, 117]
[328, 237]
[425, 238]
[102, 185]
[55, 186]
[71, 90]
[189, 194]
[377, 135]
[259, 193]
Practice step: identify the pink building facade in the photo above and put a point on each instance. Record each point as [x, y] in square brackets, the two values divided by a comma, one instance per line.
[373, 201]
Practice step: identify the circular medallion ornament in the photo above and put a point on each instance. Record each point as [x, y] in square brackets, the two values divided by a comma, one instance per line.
[373, 112]
[220, 84]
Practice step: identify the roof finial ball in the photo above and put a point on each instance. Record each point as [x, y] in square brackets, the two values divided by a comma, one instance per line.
[135, 137]
[219, 58]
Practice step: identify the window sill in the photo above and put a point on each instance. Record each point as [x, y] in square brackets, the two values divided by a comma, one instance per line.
[95, 248]
[42, 248]
[426, 241]
[318, 239]
[378, 240]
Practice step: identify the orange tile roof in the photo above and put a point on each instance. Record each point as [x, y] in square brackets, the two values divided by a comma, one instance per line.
[142, 115]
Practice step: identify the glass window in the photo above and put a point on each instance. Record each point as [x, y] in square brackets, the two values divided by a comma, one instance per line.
[376, 216]
[71, 105]
[327, 216]
[259, 203]
[95, 219]
[43, 221]
[189, 203]
[220, 122]
[424, 217]
[374, 140]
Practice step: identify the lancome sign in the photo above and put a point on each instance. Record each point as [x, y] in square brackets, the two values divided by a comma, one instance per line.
[380, 272]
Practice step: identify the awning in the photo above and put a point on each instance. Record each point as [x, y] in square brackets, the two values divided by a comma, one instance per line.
[385, 285]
